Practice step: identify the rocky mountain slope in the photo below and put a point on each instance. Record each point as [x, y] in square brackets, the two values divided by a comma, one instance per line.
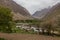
[20, 13]
[48, 13]
[53, 13]
[52, 19]
[41, 13]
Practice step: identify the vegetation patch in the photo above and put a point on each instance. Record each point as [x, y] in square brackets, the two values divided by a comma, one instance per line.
[2, 39]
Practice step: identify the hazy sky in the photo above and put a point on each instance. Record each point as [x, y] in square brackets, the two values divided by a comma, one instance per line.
[34, 5]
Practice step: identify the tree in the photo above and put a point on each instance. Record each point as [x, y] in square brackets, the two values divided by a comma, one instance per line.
[48, 27]
[5, 19]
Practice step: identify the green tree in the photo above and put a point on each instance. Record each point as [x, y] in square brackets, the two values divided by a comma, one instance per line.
[5, 19]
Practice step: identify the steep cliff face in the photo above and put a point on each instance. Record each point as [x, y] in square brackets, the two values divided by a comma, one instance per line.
[17, 9]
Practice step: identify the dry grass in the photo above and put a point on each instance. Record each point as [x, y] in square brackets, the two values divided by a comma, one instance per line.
[16, 36]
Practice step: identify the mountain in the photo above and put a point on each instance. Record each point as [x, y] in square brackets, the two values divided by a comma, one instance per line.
[54, 13]
[48, 13]
[19, 12]
[41, 13]
[52, 19]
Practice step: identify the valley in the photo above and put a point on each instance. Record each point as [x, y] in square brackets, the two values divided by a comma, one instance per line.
[16, 22]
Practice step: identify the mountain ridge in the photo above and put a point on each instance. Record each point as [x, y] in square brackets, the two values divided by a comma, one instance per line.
[54, 12]
[41, 14]
[45, 13]
[17, 9]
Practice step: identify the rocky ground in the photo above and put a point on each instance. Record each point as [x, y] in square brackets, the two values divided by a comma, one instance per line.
[16, 36]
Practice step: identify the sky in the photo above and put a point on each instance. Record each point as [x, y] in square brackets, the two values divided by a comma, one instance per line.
[34, 5]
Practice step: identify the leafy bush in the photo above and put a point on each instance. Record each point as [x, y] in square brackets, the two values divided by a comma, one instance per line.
[2, 39]
[6, 21]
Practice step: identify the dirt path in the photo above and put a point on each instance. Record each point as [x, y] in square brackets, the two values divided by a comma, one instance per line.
[27, 37]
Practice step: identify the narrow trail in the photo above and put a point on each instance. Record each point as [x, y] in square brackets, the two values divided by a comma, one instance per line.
[16, 36]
